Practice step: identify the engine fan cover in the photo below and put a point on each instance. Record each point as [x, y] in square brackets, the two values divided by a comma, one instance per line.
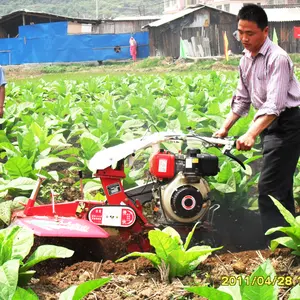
[186, 202]
[183, 201]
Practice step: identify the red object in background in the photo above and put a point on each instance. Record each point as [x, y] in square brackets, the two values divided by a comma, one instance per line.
[297, 32]
[133, 48]
[162, 165]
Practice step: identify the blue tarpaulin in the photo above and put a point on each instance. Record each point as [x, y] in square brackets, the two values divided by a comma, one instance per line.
[50, 42]
[43, 29]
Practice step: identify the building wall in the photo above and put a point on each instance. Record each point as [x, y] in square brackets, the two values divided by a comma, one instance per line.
[284, 31]
[201, 33]
[120, 26]
[172, 6]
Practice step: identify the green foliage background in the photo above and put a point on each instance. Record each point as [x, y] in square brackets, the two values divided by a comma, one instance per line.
[86, 8]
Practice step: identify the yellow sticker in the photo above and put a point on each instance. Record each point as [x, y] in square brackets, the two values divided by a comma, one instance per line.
[195, 160]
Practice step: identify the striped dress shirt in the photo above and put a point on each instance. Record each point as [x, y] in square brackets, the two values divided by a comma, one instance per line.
[267, 81]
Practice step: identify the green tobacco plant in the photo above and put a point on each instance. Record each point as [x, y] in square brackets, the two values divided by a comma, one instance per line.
[63, 123]
[7, 207]
[77, 292]
[260, 285]
[296, 188]
[15, 245]
[292, 240]
[173, 258]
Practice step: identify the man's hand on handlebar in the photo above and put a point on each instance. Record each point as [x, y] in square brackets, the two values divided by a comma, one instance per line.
[245, 142]
[221, 133]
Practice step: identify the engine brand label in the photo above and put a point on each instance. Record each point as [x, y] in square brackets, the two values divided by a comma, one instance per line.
[189, 163]
[162, 165]
[113, 189]
[119, 216]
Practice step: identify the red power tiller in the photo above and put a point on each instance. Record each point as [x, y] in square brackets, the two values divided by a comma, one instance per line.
[178, 194]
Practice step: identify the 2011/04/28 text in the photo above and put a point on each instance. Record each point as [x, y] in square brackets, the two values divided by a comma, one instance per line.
[260, 280]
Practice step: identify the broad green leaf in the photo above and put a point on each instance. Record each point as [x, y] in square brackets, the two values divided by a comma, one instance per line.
[25, 277]
[286, 214]
[293, 232]
[82, 290]
[9, 279]
[160, 104]
[223, 187]
[225, 173]
[38, 132]
[174, 125]
[69, 293]
[183, 262]
[6, 243]
[6, 211]
[3, 137]
[162, 243]
[54, 175]
[253, 158]
[19, 201]
[27, 144]
[69, 151]
[92, 185]
[45, 162]
[22, 243]
[18, 167]
[295, 293]
[155, 260]
[24, 294]
[89, 147]
[97, 197]
[284, 241]
[173, 234]
[21, 183]
[58, 140]
[210, 293]
[234, 291]
[255, 290]
[45, 252]
[132, 124]
[10, 150]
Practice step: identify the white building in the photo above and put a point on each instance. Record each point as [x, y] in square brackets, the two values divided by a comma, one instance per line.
[232, 6]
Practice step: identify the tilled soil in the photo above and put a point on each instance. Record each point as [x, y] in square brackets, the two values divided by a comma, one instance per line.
[137, 279]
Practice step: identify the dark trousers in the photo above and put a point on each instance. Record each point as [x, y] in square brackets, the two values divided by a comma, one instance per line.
[281, 150]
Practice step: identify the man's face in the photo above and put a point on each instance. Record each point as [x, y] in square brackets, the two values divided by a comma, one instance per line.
[251, 36]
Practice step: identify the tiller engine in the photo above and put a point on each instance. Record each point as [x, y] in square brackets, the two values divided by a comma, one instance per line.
[177, 196]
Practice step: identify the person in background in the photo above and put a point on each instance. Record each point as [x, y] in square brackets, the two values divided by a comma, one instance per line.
[267, 81]
[133, 48]
[2, 93]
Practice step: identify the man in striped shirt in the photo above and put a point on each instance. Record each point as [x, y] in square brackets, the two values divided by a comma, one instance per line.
[267, 81]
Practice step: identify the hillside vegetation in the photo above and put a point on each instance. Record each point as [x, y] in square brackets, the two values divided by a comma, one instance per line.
[86, 8]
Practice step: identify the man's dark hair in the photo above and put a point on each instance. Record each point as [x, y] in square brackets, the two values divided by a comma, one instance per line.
[254, 13]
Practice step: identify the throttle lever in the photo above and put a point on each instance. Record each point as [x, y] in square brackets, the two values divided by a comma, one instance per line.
[229, 154]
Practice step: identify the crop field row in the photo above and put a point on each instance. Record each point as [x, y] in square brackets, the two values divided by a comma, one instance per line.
[50, 126]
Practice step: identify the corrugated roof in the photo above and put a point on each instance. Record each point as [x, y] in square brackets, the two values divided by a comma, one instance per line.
[172, 17]
[137, 18]
[283, 14]
[169, 18]
[21, 12]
